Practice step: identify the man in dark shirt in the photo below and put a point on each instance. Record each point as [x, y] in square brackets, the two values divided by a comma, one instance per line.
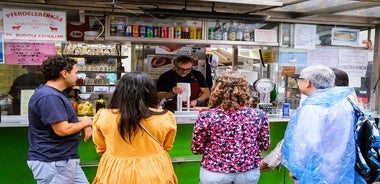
[182, 72]
[29, 80]
[54, 128]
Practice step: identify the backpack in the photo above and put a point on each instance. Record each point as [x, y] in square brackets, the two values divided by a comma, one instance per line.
[367, 140]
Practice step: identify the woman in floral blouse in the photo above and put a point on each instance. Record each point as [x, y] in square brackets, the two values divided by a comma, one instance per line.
[230, 134]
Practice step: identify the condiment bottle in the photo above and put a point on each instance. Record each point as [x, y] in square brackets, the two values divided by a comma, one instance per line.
[100, 103]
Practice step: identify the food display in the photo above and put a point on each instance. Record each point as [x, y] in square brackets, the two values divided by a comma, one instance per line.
[85, 107]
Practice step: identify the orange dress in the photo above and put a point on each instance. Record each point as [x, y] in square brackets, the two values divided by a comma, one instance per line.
[143, 161]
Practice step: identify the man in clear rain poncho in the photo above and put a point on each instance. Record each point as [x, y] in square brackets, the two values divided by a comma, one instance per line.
[319, 144]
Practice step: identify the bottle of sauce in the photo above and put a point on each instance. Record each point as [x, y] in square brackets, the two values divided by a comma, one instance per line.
[218, 31]
[232, 31]
[100, 103]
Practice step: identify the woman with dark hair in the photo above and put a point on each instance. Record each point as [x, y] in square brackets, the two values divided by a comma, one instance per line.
[230, 134]
[341, 77]
[134, 136]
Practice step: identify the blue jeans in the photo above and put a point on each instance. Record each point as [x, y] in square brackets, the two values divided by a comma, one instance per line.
[248, 177]
[58, 172]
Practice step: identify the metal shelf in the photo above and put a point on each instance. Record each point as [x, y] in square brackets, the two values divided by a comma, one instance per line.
[189, 41]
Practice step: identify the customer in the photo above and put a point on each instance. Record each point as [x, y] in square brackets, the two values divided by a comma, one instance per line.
[231, 134]
[30, 80]
[182, 72]
[134, 136]
[274, 158]
[319, 144]
[54, 128]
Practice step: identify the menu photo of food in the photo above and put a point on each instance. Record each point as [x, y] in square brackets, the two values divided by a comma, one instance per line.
[348, 37]
[158, 64]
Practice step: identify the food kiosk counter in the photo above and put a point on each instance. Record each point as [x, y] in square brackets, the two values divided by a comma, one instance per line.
[14, 144]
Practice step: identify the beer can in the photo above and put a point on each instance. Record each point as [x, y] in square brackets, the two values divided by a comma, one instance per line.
[285, 110]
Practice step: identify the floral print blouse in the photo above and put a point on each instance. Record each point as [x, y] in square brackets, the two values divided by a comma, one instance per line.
[230, 141]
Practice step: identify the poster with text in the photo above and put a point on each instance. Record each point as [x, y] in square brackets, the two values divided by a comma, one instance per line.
[26, 24]
[24, 53]
[353, 61]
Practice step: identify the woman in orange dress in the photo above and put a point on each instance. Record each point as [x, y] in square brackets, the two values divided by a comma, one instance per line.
[134, 136]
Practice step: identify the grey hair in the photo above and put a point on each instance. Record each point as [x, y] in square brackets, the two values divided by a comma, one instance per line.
[319, 75]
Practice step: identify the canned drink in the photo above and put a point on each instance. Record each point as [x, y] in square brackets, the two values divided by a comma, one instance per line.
[285, 110]
[142, 31]
[149, 31]
[128, 31]
[171, 32]
[135, 30]
[164, 32]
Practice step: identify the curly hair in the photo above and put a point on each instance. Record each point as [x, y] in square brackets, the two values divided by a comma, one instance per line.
[231, 90]
[135, 93]
[52, 66]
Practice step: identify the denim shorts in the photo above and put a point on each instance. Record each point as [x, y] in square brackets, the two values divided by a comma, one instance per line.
[247, 177]
[58, 172]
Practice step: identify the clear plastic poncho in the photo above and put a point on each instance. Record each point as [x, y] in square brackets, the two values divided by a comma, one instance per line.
[319, 144]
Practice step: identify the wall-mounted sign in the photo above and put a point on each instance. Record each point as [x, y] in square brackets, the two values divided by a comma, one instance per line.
[24, 24]
[346, 37]
[23, 53]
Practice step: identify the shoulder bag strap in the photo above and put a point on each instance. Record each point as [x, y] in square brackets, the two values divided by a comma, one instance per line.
[151, 135]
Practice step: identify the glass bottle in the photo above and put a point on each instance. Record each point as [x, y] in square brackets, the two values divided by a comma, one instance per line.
[100, 103]
[239, 32]
[85, 107]
[218, 31]
[232, 31]
[247, 33]
[224, 32]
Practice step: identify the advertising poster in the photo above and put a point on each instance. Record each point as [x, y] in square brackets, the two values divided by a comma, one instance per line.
[346, 37]
[24, 24]
[158, 64]
[292, 57]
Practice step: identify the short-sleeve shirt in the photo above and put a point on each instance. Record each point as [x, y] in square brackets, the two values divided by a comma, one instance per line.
[46, 107]
[169, 79]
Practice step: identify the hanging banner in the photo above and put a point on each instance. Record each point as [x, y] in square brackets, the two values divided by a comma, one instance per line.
[23, 53]
[24, 24]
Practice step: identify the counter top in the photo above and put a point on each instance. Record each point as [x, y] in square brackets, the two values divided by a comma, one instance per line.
[182, 117]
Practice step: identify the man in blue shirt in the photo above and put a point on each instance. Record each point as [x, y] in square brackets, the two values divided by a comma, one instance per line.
[54, 128]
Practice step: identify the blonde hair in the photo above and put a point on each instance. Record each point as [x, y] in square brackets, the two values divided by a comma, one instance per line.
[231, 90]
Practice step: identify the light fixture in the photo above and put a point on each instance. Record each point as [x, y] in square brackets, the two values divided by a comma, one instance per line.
[257, 2]
[166, 13]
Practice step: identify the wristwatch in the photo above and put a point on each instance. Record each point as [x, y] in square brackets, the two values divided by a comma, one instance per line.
[198, 101]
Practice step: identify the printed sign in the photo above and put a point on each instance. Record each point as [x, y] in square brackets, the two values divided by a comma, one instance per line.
[24, 24]
[22, 53]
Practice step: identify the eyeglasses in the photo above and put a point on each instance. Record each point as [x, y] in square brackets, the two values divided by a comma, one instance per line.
[183, 69]
[299, 78]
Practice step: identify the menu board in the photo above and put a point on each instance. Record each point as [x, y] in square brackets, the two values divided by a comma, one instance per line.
[23, 53]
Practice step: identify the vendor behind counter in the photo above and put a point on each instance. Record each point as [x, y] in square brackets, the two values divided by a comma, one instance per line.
[182, 72]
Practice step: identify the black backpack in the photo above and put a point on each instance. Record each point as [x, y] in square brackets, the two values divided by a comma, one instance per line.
[367, 139]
